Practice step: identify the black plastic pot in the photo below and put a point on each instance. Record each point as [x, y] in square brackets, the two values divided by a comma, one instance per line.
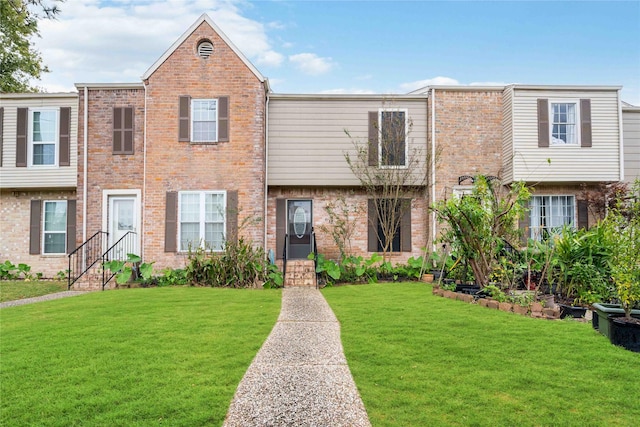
[572, 311]
[625, 334]
[602, 312]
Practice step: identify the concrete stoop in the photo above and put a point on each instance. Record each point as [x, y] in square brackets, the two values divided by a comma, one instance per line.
[301, 273]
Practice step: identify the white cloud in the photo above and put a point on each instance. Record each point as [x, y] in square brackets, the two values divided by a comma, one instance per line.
[96, 41]
[489, 84]
[312, 64]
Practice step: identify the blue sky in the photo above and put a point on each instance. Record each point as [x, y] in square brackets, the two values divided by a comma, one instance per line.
[360, 46]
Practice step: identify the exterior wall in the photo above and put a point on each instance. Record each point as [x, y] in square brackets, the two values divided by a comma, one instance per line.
[631, 131]
[357, 198]
[468, 132]
[601, 162]
[507, 135]
[105, 170]
[15, 230]
[307, 138]
[177, 166]
[39, 176]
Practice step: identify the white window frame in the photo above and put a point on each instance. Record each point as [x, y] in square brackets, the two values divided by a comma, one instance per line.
[459, 191]
[535, 229]
[192, 121]
[55, 142]
[552, 140]
[406, 143]
[202, 243]
[44, 227]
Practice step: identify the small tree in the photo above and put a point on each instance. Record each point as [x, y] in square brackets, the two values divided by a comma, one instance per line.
[479, 224]
[343, 219]
[390, 169]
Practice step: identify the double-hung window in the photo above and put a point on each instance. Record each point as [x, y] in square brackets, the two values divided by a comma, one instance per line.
[54, 239]
[202, 220]
[392, 144]
[549, 214]
[43, 136]
[204, 120]
[564, 123]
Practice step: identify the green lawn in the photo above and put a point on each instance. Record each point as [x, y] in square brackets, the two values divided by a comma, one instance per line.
[140, 357]
[421, 360]
[11, 290]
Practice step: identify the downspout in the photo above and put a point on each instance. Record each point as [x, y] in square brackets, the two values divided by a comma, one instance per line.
[85, 163]
[433, 166]
[620, 129]
[266, 168]
[144, 173]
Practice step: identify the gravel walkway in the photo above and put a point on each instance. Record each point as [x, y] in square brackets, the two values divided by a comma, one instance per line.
[48, 297]
[300, 376]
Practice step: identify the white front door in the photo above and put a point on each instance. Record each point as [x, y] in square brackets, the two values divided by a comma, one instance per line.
[122, 219]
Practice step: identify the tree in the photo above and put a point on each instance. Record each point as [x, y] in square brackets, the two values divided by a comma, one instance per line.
[391, 170]
[480, 224]
[19, 61]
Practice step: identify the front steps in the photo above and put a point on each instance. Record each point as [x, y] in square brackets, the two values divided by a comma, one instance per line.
[301, 273]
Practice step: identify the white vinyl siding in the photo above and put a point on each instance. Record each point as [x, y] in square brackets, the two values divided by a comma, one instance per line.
[631, 126]
[568, 163]
[507, 134]
[307, 139]
[202, 220]
[549, 214]
[54, 229]
[37, 177]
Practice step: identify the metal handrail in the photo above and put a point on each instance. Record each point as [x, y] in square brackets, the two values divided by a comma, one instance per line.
[108, 255]
[314, 250]
[284, 257]
[92, 253]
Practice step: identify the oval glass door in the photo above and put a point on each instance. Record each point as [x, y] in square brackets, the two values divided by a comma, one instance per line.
[299, 228]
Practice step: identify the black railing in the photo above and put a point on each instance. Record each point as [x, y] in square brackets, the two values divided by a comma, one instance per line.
[284, 257]
[314, 251]
[119, 251]
[85, 256]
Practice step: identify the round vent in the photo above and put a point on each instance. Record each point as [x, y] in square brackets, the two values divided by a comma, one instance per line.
[205, 49]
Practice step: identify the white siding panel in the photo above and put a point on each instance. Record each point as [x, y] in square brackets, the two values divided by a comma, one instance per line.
[308, 139]
[30, 177]
[631, 129]
[601, 162]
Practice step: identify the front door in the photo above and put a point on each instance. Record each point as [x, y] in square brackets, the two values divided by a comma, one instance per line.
[299, 228]
[122, 219]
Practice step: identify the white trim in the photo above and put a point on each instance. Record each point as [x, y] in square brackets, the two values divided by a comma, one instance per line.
[56, 137]
[578, 122]
[621, 131]
[202, 214]
[106, 194]
[433, 168]
[574, 220]
[203, 18]
[462, 190]
[406, 137]
[192, 121]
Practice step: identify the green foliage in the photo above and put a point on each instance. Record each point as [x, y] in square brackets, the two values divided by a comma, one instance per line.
[62, 275]
[239, 265]
[130, 269]
[496, 293]
[172, 277]
[10, 271]
[480, 223]
[342, 220]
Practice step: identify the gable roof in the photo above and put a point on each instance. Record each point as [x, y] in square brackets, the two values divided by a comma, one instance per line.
[203, 18]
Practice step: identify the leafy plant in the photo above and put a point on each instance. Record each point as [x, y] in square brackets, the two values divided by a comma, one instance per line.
[8, 271]
[275, 277]
[125, 270]
[172, 277]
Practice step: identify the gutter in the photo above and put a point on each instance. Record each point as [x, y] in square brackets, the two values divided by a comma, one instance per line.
[144, 174]
[266, 167]
[433, 166]
[85, 162]
[621, 130]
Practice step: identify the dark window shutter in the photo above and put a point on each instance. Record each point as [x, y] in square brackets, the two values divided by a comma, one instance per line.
[123, 130]
[34, 227]
[405, 226]
[71, 225]
[585, 122]
[223, 119]
[583, 214]
[372, 226]
[543, 122]
[64, 137]
[232, 216]
[281, 226]
[21, 138]
[171, 222]
[1, 132]
[373, 138]
[524, 224]
[184, 124]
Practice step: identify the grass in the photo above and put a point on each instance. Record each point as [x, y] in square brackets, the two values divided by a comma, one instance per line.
[140, 357]
[421, 360]
[11, 290]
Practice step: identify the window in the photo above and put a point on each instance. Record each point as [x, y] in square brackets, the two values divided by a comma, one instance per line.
[549, 214]
[55, 227]
[202, 220]
[43, 136]
[123, 122]
[564, 123]
[392, 143]
[381, 211]
[204, 120]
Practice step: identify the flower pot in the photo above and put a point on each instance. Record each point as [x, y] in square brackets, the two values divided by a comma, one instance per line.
[572, 311]
[427, 278]
[625, 334]
[603, 312]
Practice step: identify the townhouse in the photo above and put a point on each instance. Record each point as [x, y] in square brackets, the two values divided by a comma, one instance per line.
[201, 151]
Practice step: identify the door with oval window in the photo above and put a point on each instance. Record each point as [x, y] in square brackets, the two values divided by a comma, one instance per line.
[299, 223]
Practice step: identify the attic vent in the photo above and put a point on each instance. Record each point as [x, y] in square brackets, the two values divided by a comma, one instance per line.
[205, 49]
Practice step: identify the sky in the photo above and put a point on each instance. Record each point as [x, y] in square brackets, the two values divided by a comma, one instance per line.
[358, 46]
